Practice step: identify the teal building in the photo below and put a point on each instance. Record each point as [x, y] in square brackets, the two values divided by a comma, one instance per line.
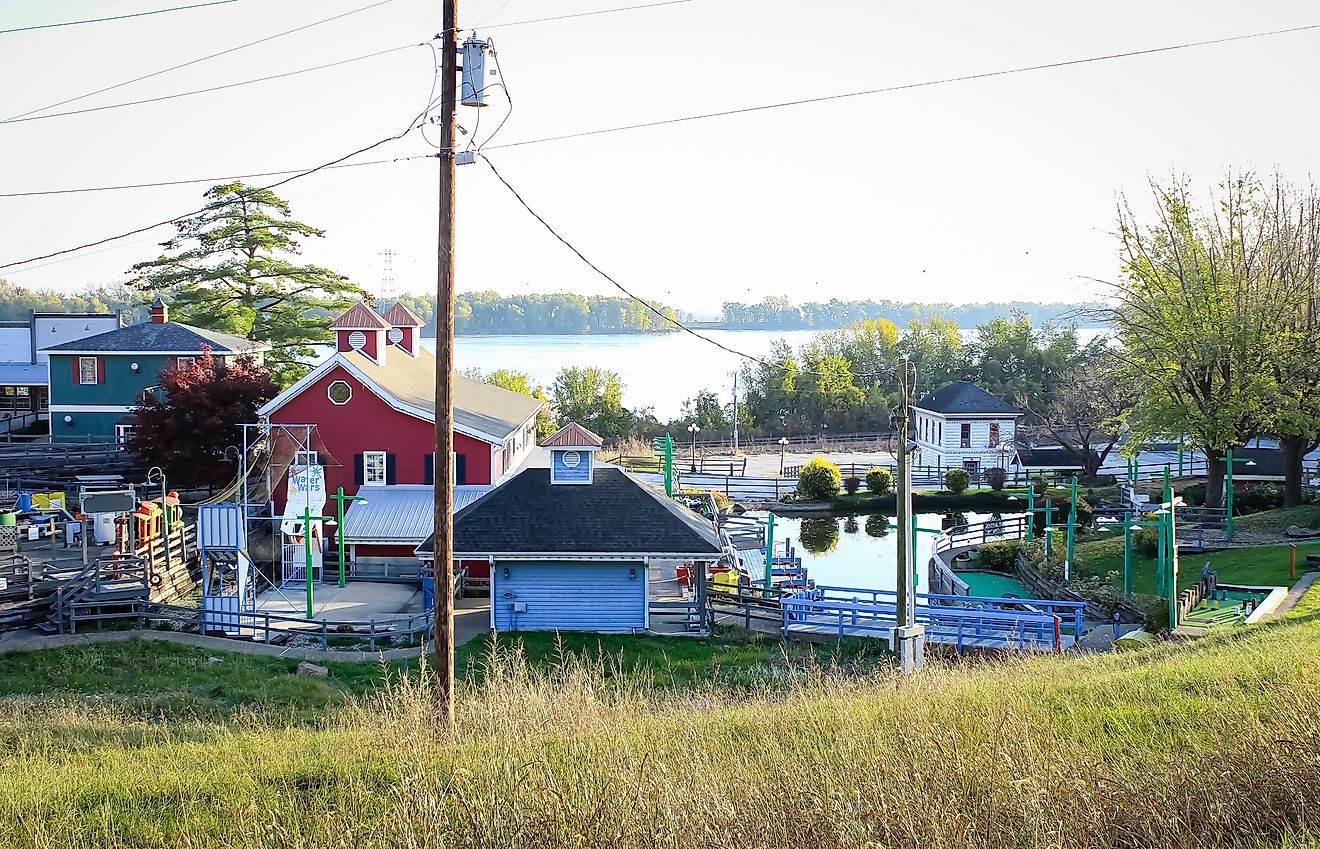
[95, 382]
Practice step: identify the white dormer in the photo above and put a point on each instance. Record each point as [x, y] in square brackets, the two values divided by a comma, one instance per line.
[571, 449]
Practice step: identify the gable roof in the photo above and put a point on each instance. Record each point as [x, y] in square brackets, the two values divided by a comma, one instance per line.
[170, 337]
[400, 316]
[360, 317]
[572, 435]
[961, 398]
[408, 384]
[1049, 457]
[615, 514]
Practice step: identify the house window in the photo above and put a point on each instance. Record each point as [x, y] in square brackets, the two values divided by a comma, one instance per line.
[339, 393]
[122, 433]
[373, 468]
[87, 370]
[939, 436]
[508, 454]
[965, 437]
[973, 467]
[187, 362]
[303, 459]
[994, 435]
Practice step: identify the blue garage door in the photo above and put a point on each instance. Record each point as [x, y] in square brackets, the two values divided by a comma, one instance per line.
[607, 597]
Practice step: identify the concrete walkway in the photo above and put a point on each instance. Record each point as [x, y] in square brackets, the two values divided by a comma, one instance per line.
[471, 620]
[1295, 594]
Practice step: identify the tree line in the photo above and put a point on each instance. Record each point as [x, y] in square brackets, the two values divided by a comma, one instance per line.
[778, 313]
[562, 313]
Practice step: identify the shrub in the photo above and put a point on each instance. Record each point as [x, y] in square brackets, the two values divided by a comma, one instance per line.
[879, 481]
[995, 476]
[819, 480]
[1194, 494]
[1257, 498]
[957, 481]
[819, 535]
[1000, 555]
[851, 484]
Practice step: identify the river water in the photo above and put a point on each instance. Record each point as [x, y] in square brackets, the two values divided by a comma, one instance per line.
[659, 370]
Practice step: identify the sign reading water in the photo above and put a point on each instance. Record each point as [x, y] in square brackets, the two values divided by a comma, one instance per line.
[306, 491]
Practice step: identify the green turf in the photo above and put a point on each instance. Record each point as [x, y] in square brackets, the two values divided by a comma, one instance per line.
[1222, 612]
[994, 585]
[1258, 566]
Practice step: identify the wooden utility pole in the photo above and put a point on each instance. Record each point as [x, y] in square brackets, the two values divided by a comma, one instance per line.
[908, 636]
[444, 376]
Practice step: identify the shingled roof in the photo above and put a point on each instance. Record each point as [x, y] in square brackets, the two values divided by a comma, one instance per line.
[615, 514]
[171, 337]
[961, 398]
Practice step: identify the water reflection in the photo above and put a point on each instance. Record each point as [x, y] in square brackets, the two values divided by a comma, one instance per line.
[877, 525]
[819, 535]
[850, 525]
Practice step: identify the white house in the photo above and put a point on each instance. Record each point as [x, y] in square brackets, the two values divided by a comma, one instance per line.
[962, 425]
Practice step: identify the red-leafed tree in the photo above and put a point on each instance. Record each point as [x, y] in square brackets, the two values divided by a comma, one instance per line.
[188, 424]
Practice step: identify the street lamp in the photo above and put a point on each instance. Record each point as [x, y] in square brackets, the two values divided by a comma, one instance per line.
[783, 443]
[694, 430]
[340, 498]
[1229, 530]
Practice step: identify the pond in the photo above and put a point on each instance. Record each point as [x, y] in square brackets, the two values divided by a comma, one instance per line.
[862, 551]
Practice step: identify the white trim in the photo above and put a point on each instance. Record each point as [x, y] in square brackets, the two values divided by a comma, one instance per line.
[384, 468]
[96, 371]
[90, 408]
[416, 412]
[983, 416]
[215, 352]
[331, 398]
[706, 556]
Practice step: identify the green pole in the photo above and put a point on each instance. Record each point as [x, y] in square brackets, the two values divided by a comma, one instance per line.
[1031, 510]
[1072, 529]
[914, 547]
[1127, 554]
[1049, 515]
[307, 545]
[339, 514]
[769, 550]
[669, 465]
[1173, 562]
[1228, 497]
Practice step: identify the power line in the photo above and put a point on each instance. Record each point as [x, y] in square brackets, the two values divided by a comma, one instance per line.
[214, 179]
[197, 61]
[223, 87]
[412, 125]
[116, 17]
[585, 14]
[907, 86]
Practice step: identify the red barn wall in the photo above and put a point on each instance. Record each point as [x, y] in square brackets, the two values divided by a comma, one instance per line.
[367, 423]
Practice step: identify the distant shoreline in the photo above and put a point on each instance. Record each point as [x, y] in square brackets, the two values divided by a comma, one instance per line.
[695, 325]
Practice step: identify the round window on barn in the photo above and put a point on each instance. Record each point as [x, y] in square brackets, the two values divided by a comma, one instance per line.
[357, 340]
[395, 335]
[339, 393]
[572, 459]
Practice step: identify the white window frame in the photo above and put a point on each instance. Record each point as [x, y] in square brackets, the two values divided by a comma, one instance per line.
[82, 371]
[303, 459]
[330, 388]
[185, 362]
[122, 432]
[369, 474]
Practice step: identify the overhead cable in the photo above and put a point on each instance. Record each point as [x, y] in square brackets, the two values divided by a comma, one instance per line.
[116, 17]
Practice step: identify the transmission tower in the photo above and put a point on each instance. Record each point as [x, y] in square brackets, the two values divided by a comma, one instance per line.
[387, 274]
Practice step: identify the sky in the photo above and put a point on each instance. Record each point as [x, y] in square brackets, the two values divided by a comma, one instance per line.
[987, 190]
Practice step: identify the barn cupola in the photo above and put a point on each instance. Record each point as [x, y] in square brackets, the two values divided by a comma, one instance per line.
[159, 312]
[361, 330]
[571, 449]
[405, 328]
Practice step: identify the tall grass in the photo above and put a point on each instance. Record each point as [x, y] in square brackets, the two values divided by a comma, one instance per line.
[1215, 743]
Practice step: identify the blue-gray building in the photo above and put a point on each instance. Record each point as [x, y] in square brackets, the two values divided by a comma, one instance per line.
[96, 381]
[571, 547]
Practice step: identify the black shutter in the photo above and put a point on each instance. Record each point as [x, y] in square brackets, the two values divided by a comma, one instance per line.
[358, 474]
[460, 468]
[389, 470]
[428, 469]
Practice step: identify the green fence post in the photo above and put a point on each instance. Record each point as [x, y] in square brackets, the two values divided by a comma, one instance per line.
[1127, 554]
[1072, 531]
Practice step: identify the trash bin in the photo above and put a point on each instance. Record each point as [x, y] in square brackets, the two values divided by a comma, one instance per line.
[428, 594]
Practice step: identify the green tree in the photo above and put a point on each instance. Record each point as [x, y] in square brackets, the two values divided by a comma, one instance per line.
[706, 412]
[1018, 362]
[592, 397]
[520, 382]
[937, 350]
[232, 267]
[1086, 408]
[1197, 317]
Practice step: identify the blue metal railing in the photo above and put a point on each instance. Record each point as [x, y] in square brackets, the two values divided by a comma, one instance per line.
[956, 620]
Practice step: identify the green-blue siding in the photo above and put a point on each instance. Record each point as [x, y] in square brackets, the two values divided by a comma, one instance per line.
[121, 385]
[569, 596]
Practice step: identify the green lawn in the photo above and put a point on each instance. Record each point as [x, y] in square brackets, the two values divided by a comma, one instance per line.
[1261, 565]
[1306, 516]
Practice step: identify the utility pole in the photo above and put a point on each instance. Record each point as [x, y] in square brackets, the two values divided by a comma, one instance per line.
[444, 372]
[908, 637]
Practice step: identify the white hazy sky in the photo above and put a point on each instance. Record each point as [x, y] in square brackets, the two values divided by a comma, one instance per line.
[987, 190]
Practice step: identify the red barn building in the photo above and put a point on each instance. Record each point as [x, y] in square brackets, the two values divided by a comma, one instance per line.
[373, 405]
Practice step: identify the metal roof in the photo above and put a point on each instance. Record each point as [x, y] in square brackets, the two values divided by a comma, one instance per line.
[24, 374]
[360, 317]
[400, 514]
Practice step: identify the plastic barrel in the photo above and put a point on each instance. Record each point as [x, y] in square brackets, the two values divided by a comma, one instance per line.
[8, 519]
[428, 594]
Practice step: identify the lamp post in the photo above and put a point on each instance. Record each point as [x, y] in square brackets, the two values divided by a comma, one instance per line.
[694, 430]
[783, 443]
[1229, 530]
[1031, 510]
[340, 498]
[308, 518]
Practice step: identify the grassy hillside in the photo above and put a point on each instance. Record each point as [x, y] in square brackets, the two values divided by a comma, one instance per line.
[1203, 744]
